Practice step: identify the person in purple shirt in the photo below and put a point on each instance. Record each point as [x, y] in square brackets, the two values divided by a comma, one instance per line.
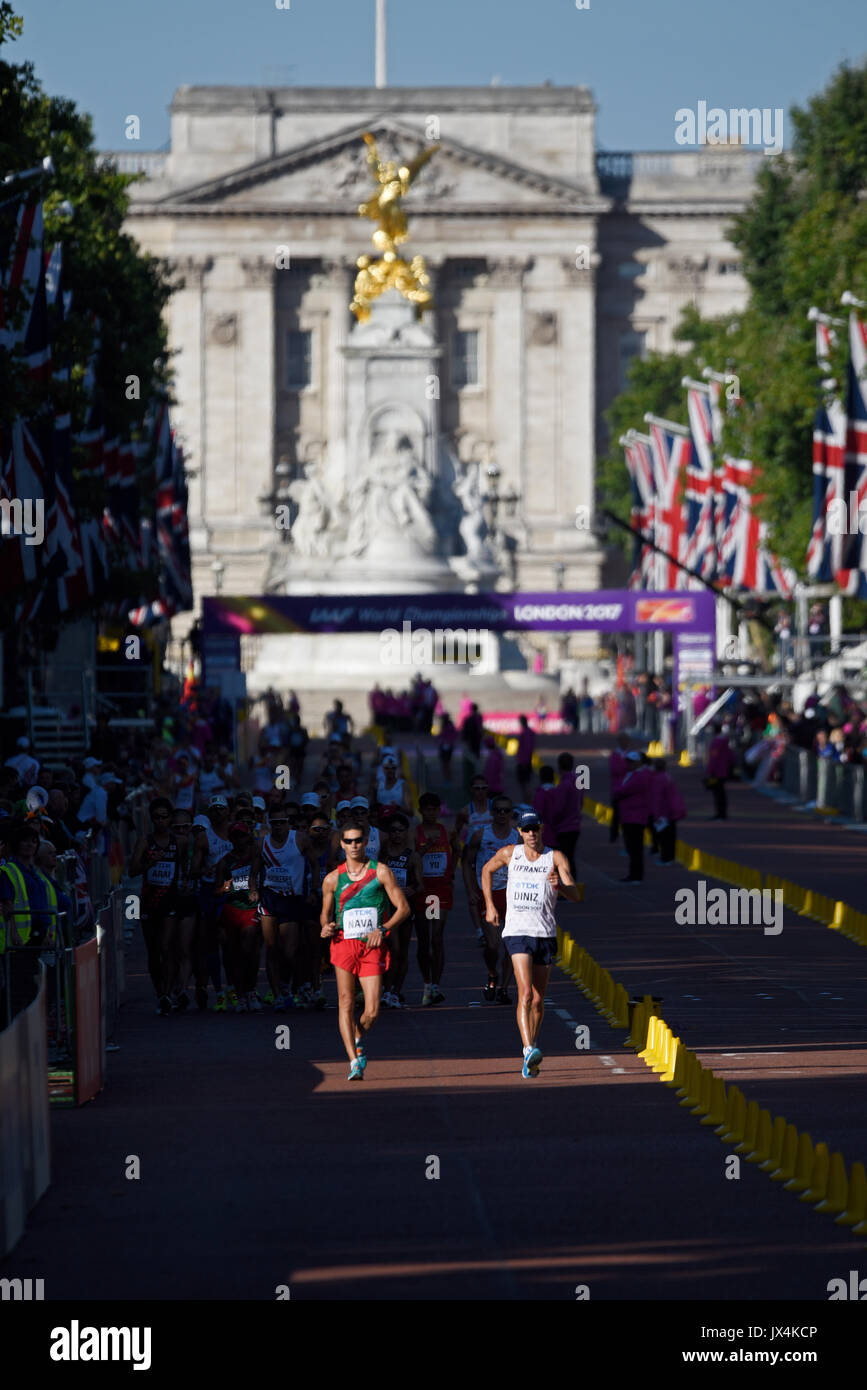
[667, 807]
[720, 765]
[540, 804]
[563, 809]
[524, 758]
[633, 803]
[494, 765]
[617, 770]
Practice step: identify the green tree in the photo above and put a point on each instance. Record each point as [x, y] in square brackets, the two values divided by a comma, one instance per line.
[113, 283]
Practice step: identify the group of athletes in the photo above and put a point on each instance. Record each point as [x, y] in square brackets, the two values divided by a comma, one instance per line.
[331, 882]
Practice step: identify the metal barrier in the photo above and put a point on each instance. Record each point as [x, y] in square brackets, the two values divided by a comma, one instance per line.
[824, 782]
[25, 1157]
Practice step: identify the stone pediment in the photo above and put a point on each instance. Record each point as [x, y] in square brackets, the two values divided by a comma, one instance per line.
[332, 175]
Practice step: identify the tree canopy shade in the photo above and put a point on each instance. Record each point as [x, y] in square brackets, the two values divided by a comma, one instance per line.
[803, 240]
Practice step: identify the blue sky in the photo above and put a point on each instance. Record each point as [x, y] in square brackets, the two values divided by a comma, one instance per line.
[642, 59]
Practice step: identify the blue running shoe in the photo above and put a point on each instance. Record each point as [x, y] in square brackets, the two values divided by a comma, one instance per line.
[532, 1060]
[356, 1071]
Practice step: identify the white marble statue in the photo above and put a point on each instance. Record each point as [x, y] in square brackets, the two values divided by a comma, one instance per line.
[310, 529]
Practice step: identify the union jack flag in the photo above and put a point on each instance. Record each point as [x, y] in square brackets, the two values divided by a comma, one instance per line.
[851, 575]
[672, 456]
[824, 551]
[639, 464]
[701, 493]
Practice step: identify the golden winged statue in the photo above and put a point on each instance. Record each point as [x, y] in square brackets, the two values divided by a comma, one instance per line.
[390, 270]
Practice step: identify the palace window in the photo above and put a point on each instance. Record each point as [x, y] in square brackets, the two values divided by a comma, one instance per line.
[298, 359]
[465, 357]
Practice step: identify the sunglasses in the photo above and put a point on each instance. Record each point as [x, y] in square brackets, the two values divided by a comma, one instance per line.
[528, 829]
[502, 810]
[358, 841]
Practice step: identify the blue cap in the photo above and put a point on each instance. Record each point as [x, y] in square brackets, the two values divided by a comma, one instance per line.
[528, 820]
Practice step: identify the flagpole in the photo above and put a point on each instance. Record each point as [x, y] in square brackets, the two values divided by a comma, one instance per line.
[380, 43]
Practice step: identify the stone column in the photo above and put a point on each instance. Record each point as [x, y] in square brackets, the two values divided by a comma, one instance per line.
[338, 275]
[256, 404]
[189, 416]
[505, 370]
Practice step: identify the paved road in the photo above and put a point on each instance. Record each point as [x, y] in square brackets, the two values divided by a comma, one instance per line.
[262, 1167]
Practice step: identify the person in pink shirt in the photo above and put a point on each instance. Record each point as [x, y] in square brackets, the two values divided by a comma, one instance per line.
[632, 800]
[617, 770]
[524, 756]
[720, 765]
[464, 709]
[540, 804]
[563, 809]
[494, 766]
[667, 807]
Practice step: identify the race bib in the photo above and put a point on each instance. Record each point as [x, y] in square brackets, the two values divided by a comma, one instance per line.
[528, 893]
[433, 864]
[500, 877]
[359, 921]
[240, 882]
[162, 873]
[279, 879]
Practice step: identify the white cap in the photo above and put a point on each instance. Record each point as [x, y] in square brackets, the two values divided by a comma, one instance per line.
[361, 801]
[344, 805]
[202, 821]
[217, 801]
[310, 799]
[258, 803]
[91, 763]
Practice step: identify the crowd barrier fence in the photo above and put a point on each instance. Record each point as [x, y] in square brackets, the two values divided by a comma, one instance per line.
[829, 785]
[25, 1154]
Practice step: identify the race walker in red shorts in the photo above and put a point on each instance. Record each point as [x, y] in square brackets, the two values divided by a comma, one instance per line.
[356, 897]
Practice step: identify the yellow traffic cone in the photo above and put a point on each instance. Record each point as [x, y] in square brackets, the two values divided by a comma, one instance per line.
[717, 1113]
[788, 1156]
[731, 1097]
[775, 1157]
[838, 1187]
[664, 1040]
[856, 1198]
[680, 1070]
[684, 760]
[735, 1133]
[648, 1053]
[705, 1094]
[669, 1075]
[764, 1135]
[638, 1034]
[818, 1189]
[803, 1165]
[751, 1129]
[692, 1086]
[606, 995]
[620, 1009]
